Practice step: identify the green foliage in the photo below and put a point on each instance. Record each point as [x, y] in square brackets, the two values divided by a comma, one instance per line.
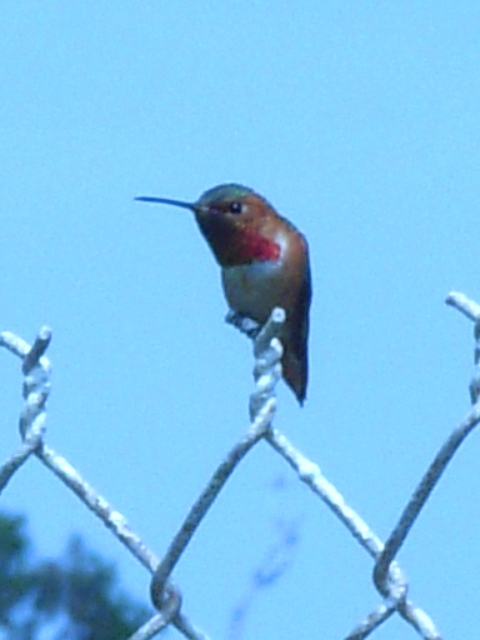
[74, 597]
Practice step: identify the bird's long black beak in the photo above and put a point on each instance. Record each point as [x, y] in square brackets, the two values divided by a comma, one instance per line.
[175, 203]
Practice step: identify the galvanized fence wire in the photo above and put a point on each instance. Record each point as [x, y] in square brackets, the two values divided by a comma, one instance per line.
[388, 577]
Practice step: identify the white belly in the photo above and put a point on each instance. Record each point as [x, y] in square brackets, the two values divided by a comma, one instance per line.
[252, 289]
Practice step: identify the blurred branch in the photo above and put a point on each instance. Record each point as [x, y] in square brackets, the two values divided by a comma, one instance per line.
[272, 567]
[388, 577]
[310, 474]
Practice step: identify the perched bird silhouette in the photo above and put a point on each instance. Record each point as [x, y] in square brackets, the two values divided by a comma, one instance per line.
[265, 264]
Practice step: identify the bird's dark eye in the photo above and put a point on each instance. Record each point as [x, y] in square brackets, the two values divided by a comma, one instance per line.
[236, 207]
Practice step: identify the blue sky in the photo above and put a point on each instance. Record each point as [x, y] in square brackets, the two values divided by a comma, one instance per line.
[359, 122]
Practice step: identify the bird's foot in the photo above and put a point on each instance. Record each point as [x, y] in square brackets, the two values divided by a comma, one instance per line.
[244, 324]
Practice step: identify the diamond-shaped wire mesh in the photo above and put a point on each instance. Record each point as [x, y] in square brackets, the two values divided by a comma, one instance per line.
[166, 597]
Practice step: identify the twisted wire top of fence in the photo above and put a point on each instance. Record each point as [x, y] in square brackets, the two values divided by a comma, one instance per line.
[387, 575]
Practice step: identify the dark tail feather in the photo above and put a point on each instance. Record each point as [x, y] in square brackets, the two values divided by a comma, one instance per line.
[295, 373]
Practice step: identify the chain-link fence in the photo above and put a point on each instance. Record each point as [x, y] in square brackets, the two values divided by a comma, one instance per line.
[166, 597]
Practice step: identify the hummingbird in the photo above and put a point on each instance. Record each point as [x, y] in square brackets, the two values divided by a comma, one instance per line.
[264, 264]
